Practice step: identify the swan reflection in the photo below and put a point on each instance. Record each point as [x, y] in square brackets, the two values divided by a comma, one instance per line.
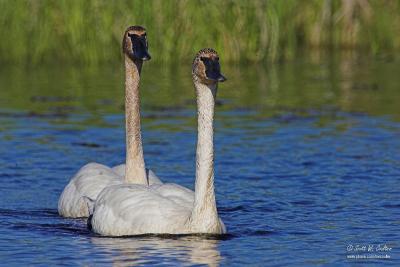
[152, 250]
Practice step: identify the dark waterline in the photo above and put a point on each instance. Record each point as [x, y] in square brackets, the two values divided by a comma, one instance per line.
[307, 161]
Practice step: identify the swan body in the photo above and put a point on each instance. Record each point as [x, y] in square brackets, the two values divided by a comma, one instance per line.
[135, 209]
[93, 177]
[123, 210]
[87, 183]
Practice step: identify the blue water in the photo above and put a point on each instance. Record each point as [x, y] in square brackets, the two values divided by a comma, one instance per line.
[300, 185]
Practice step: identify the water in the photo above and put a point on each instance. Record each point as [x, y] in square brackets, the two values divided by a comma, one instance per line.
[307, 161]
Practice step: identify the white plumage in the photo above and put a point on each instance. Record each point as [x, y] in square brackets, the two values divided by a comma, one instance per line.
[88, 182]
[136, 209]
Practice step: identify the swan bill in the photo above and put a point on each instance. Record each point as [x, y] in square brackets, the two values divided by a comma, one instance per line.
[135, 43]
[206, 67]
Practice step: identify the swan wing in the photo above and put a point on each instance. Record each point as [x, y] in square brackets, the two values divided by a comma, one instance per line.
[151, 176]
[87, 182]
[119, 169]
[179, 194]
[136, 209]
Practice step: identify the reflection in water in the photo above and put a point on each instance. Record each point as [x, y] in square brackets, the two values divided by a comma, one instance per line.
[346, 81]
[144, 250]
[346, 67]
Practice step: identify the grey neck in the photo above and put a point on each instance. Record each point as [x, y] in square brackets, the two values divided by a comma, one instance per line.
[135, 168]
[205, 204]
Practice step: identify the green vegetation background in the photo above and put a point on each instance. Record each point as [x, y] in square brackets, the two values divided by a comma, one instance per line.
[89, 31]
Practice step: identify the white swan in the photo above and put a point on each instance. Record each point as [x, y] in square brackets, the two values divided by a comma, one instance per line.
[94, 177]
[168, 208]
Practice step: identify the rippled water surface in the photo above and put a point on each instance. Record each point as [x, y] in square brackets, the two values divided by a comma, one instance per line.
[307, 161]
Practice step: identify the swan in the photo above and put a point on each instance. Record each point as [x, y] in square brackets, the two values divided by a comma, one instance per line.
[87, 183]
[135, 209]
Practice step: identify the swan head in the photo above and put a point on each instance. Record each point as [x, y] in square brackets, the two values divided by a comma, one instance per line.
[134, 44]
[206, 68]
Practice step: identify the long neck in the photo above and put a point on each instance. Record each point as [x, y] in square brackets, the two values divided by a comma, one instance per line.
[135, 169]
[204, 204]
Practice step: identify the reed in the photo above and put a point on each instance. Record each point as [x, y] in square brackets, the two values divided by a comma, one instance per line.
[76, 31]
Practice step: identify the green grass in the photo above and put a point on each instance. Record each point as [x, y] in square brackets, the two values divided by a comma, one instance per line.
[89, 31]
